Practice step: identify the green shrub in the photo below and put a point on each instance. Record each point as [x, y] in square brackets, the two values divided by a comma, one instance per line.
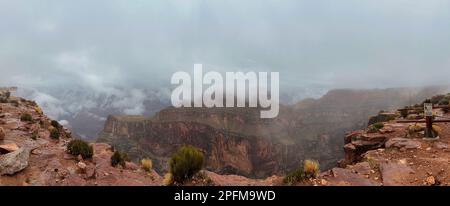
[445, 110]
[25, 117]
[295, 176]
[444, 101]
[404, 112]
[185, 163]
[147, 164]
[119, 158]
[34, 136]
[79, 147]
[55, 124]
[54, 133]
[378, 125]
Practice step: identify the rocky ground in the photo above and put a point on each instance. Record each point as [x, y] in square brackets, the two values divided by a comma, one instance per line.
[29, 156]
[394, 156]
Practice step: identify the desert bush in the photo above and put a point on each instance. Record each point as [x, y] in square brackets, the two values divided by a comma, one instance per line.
[25, 117]
[147, 164]
[445, 110]
[376, 127]
[415, 128]
[404, 112]
[185, 163]
[38, 110]
[34, 135]
[168, 179]
[309, 169]
[79, 147]
[55, 124]
[54, 133]
[444, 101]
[295, 176]
[119, 158]
[436, 130]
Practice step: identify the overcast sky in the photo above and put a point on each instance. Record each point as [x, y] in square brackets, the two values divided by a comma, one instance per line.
[140, 43]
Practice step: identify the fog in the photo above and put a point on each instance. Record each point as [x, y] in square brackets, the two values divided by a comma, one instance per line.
[104, 45]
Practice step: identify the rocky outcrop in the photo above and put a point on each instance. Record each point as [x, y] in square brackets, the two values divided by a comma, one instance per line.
[358, 143]
[29, 156]
[395, 155]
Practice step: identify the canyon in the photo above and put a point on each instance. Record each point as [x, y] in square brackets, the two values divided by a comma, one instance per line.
[237, 141]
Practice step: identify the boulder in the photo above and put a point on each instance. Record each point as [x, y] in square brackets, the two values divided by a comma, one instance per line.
[395, 174]
[14, 162]
[400, 143]
[7, 148]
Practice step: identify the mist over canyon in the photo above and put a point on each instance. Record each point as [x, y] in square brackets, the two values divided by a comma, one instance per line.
[235, 140]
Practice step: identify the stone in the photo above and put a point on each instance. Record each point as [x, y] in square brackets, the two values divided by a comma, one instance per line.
[440, 145]
[81, 167]
[7, 148]
[399, 143]
[430, 180]
[14, 162]
[395, 174]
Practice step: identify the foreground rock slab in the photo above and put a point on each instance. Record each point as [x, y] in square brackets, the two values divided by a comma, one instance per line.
[14, 162]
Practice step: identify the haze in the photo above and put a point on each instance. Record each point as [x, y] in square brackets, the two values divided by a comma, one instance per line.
[102, 45]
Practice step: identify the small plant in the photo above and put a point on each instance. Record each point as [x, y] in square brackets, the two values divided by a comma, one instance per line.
[404, 113]
[147, 164]
[7, 94]
[415, 129]
[25, 117]
[35, 135]
[79, 147]
[436, 130]
[309, 169]
[376, 127]
[168, 179]
[38, 110]
[119, 158]
[54, 133]
[185, 163]
[55, 124]
[446, 110]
